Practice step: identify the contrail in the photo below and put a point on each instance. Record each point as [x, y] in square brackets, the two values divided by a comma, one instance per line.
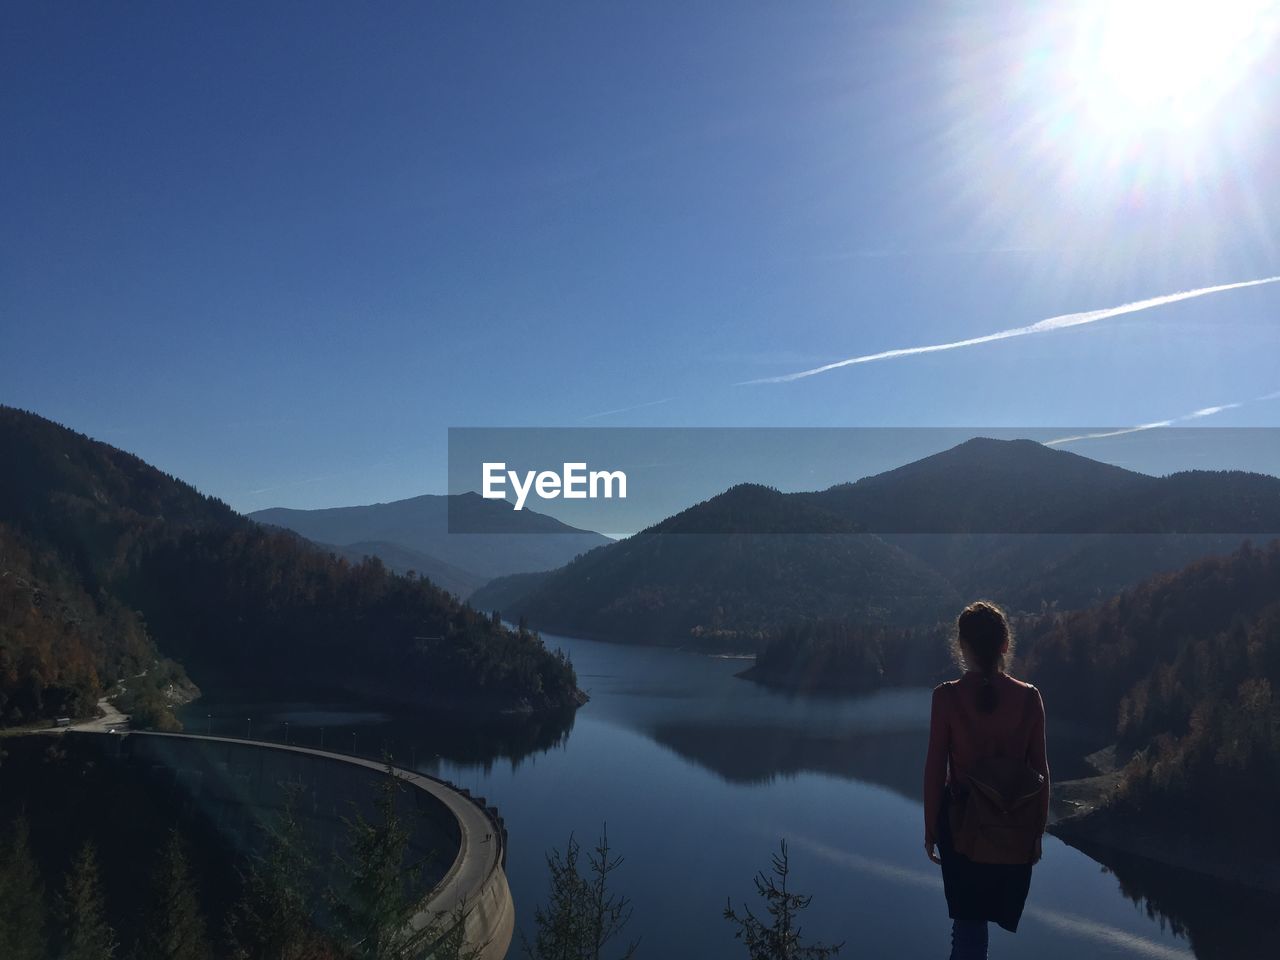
[638, 406]
[1193, 415]
[1043, 326]
[294, 483]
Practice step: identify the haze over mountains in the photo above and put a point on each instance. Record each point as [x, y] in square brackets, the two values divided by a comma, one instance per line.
[1025, 524]
[414, 535]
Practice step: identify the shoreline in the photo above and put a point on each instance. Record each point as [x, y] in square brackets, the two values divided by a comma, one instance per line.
[1095, 829]
[690, 644]
[810, 687]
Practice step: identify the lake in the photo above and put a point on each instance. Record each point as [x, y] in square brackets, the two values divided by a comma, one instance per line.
[699, 774]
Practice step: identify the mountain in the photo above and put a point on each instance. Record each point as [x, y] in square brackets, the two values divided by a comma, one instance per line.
[984, 486]
[414, 534]
[107, 563]
[1028, 525]
[724, 586]
[1037, 526]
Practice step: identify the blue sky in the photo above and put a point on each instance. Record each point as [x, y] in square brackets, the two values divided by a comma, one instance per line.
[278, 249]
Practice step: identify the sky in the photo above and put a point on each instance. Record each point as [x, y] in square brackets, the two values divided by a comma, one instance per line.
[279, 249]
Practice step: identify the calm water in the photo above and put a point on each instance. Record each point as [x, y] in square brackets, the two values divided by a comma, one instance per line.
[699, 774]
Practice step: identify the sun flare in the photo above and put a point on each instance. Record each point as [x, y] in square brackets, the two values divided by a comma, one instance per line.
[1143, 64]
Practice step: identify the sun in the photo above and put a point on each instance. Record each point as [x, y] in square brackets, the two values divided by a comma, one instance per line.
[1138, 65]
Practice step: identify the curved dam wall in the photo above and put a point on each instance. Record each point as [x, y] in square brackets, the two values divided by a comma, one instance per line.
[241, 787]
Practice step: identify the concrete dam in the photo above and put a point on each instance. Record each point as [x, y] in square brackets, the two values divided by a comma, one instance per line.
[242, 787]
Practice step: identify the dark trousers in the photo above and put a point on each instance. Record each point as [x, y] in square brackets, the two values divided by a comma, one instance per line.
[968, 940]
[979, 891]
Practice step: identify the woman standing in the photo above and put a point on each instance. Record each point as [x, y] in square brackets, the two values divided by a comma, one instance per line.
[986, 783]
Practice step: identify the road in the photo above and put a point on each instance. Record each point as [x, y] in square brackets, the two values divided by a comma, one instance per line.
[111, 719]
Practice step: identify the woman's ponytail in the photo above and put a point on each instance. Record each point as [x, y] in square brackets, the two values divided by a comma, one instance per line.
[987, 696]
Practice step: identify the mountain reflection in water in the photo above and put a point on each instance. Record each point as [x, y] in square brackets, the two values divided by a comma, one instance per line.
[699, 773]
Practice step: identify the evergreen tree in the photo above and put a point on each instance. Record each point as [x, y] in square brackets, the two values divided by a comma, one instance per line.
[273, 921]
[561, 926]
[448, 939]
[21, 898]
[86, 933]
[608, 912]
[376, 906]
[582, 915]
[177, 927]
[780, 939]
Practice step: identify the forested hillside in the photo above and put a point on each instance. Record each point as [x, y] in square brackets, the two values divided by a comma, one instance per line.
[1182, 672]
[57, 644]
[741, 576]
[839, 656]
[1032, 527]
[108, 563]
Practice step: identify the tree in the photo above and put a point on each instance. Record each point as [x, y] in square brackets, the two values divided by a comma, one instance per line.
[273, 920]
[375, 910]
[177, 927]
[582, 915]
[21, 898]
[448, 939]
[781, 939]
[86, 933]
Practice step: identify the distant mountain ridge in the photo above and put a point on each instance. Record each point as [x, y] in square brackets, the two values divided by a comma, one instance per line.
[1052, 529]
[986, 486]
[414, 534]
[981, 486]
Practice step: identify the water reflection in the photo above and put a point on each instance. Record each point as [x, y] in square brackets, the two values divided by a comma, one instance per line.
[699, 773]
[419, 738]
[1220, 920]
[759, 754]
